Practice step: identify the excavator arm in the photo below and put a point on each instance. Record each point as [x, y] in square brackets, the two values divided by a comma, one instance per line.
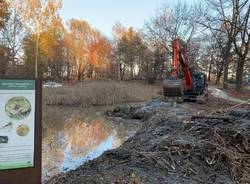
[173, 87]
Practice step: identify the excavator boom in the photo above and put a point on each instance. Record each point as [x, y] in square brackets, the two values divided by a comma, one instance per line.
[173, 87]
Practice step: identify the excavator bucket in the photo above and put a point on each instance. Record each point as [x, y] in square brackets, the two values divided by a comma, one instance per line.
[173, 88]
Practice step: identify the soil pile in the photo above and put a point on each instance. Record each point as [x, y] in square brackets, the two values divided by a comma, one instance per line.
[169, 149]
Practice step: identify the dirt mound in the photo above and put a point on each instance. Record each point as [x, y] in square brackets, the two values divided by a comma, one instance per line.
[139, 111]
[169, 150]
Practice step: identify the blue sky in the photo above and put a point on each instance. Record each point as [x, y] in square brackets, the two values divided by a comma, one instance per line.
[103, 14]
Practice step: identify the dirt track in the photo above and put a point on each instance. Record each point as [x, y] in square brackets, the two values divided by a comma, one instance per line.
[172, 149]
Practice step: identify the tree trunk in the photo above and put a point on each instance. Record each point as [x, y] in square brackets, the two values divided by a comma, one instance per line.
[122, 70]
[119, 68]
[209, 71]
[225, 86]
[36, 57]
[4, 57]
[2, 72]
[239, 73]
[217, 79]
[79, 77]
[132, 71]
[68, 65]
[219, 73]
[226, 57]
[68, 71]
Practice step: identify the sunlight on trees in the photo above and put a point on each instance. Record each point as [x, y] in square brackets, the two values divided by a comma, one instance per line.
[78, 39]
[37, 16]
[34, 41]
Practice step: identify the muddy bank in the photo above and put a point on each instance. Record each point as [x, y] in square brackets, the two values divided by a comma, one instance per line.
[170, 148]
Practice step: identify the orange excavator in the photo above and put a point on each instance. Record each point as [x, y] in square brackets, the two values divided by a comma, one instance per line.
[188, 85]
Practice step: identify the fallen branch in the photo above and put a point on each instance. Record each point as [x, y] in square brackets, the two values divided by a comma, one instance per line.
[225, 118]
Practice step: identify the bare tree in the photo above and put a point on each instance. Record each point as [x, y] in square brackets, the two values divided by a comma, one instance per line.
[242, 38]
[181, 21]
[222, 20]
[221, 56]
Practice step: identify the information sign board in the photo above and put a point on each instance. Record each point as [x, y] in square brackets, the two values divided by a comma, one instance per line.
[20, 131]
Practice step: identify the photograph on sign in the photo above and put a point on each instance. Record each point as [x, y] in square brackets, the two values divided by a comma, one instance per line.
[17, 123]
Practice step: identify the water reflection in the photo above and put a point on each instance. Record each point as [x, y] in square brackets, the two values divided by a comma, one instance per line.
[70, 163]
[77, 136]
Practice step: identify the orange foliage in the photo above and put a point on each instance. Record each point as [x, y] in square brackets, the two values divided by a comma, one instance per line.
[99, 52]
[77, 40]
[87, 48]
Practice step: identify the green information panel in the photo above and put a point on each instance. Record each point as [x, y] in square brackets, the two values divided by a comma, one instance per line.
[17, 123]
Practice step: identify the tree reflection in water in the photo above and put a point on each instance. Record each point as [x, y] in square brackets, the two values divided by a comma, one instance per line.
[69, 142]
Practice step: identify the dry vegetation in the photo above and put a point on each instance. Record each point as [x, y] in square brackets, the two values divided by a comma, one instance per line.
[100, 93]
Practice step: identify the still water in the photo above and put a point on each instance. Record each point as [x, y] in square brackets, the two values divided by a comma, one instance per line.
[72, 136]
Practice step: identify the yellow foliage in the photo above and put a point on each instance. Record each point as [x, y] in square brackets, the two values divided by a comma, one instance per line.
[37, 15]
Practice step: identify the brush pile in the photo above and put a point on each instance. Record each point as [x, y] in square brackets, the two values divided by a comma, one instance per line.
[170, 150]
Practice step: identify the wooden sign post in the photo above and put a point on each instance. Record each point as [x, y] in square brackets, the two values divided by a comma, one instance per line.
[20, 131]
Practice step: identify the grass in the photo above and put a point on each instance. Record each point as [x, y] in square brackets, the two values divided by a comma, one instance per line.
[94, 93]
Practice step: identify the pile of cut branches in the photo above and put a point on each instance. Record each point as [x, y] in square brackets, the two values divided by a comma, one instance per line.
[168, 150]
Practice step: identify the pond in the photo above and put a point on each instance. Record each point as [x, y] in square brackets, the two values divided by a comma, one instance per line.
[72, 136]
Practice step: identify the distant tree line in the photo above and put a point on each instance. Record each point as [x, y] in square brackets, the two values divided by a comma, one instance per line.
[35, 42]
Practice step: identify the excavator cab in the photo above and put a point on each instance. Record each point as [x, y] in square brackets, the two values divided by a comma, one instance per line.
[199, 88]
[199, 83]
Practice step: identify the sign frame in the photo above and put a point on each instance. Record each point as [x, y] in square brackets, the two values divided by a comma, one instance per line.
[31, 175]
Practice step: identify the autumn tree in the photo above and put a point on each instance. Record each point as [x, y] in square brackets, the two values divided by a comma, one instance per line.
[50, 56]
[52, 46]
[11, 37]
[100, 56]
[78, 40]
[37, 16]
[4, 12]
[29, 55]
[4, 51]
